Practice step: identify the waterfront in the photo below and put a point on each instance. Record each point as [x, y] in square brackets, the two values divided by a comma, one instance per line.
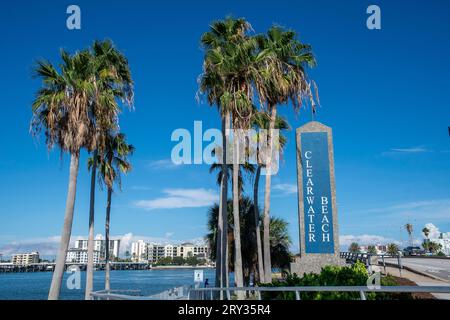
[35, 285]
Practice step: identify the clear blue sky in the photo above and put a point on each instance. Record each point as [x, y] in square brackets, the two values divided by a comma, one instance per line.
[384, 92]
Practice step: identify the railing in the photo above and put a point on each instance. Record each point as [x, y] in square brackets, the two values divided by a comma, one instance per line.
[179, 293]
[367, 259]
[207, 293]
[255, 292]
[116, 294]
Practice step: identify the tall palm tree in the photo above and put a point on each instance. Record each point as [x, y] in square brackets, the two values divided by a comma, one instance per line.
[113, 161]
[409, 230]
[247, 168]
[113, 83]
[62, 110]
[261, 120]
[214, 84]
[281, 79]
[426, 232]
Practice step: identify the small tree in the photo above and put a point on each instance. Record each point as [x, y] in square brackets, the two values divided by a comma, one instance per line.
[434, 247]
[392, 249]
[426, 245]
[372, 249]
[354, 247]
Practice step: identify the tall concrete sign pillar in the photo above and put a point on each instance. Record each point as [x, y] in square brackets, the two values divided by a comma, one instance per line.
[317, 210]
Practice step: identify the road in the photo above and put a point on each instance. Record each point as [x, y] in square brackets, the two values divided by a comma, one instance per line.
[439, 268]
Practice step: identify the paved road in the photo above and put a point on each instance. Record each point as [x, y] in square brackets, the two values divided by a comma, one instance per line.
[439, 268]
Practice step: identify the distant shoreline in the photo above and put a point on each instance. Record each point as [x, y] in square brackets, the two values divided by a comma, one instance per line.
[180, 267]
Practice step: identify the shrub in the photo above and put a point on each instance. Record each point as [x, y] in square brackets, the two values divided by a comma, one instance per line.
[355, 275]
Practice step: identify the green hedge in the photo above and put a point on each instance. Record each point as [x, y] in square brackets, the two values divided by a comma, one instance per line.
[355, 275]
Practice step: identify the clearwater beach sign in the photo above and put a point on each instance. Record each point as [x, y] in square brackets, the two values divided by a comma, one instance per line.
[319, 235]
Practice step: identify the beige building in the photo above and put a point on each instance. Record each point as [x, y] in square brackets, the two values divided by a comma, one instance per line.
[23, 259]
[150, 252]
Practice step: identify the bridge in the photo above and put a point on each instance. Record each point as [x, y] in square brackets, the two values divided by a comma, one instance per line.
[50, 266]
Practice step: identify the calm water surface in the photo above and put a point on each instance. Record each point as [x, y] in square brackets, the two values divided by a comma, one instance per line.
[35, 285]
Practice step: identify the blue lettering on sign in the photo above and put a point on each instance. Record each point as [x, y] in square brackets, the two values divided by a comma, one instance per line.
[318, 212]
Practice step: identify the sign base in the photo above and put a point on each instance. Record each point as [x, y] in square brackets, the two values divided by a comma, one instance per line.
[313, 263]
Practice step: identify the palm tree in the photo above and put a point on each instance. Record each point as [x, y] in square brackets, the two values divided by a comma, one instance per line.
[218, 83]
[62, 110]
[409, 230]
[392, 249]
[112, 82]
[113, 161]
[280, 240]
[281, 78]
[262, 121]
[354, 247]
[434, 247]
[426, 232]
[247, 168]
[372, 249]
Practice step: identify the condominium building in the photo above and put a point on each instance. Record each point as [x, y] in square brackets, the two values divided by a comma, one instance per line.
[188, 249]
[150, 252]
[100, 246]
[139, 251]
[23, 259]
[76, 255]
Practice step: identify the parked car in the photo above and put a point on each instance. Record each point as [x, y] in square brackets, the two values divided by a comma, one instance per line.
[413, 251]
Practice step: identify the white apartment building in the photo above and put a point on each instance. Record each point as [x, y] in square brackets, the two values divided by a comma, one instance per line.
[23, 259]
[139, 251]
[444, 242]
[100, 246]
[76, 255]
[150, 252]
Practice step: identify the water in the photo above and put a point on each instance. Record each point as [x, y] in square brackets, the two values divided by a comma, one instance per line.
[35, 285]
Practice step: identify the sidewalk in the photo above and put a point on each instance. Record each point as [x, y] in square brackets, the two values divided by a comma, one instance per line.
[419, 280]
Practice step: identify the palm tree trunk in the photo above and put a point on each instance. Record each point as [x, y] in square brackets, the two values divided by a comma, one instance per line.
[238, 276]
[219, 232]
[267, 262]
[55, 286]
[224, 200]
[90, 253]
[220, 252]
[257, 229]
[108, 216]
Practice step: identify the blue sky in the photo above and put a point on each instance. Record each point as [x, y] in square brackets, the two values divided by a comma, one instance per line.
[384, 92]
